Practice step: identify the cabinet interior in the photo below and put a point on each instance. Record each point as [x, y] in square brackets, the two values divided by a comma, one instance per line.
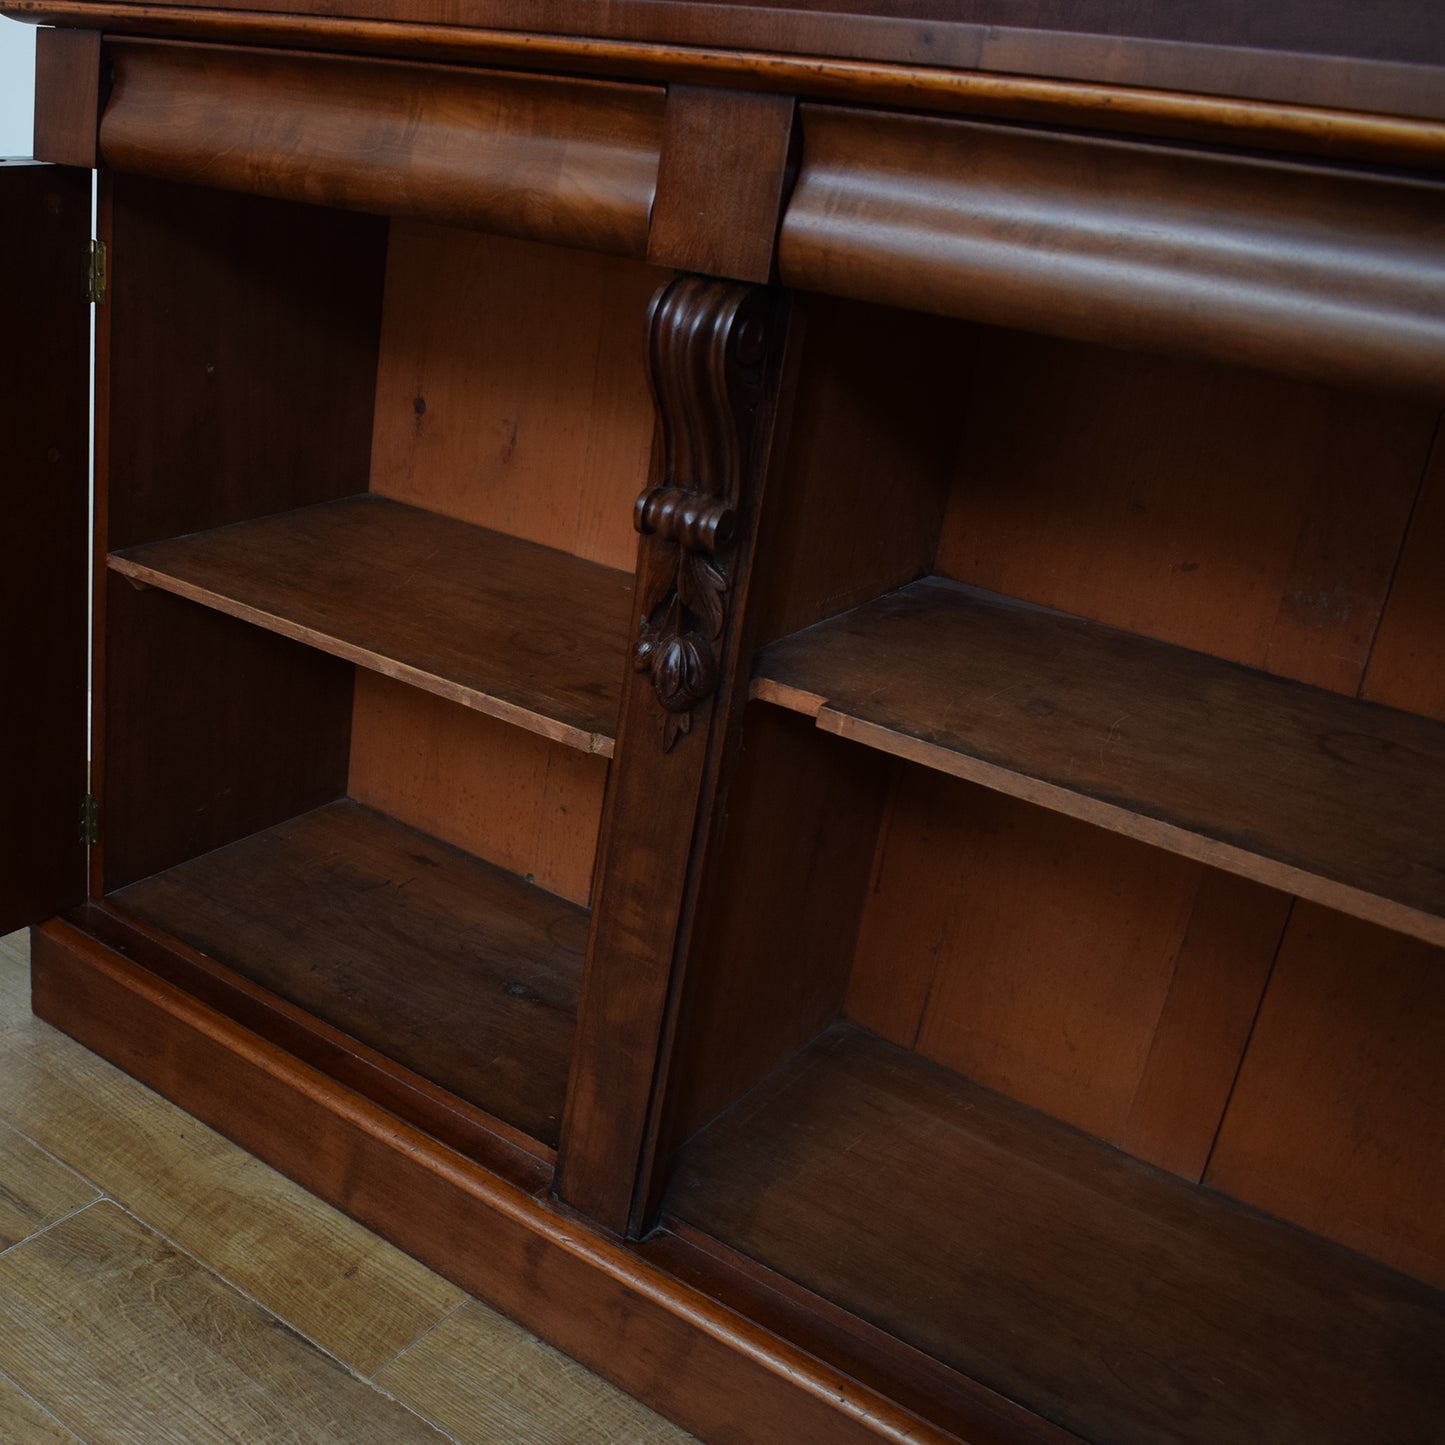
[1058, 1048]
[367, 554]
[1011, 1052]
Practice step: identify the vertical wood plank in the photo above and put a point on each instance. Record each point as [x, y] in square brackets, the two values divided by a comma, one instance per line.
[1087, 975]
[716, 352]
[520, 801]
[262, 317]
[869, 447]
[711, 214]
[1252, 517]
[258, 733]
[67, 96]
[1407, 665]
[1220, 973]
[1335, 1122]
[797, 844]
[511, 391]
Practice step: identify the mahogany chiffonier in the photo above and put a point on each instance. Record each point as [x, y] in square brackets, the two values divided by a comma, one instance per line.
[769, 679]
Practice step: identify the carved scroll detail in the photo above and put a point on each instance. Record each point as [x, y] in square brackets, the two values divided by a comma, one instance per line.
[707, 344]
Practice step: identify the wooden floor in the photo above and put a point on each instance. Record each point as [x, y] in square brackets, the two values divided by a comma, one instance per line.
[157, 1284]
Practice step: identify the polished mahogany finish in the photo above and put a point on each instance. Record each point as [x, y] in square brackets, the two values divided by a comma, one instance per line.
[834, 890]
[569, 163]
[67, 96]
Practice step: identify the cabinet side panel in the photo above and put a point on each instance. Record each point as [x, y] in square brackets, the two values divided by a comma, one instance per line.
[44, 220]
[871, 437]
[766, 976]
[1073, 969]
[520, 801]
[243, 338]
[1243, 515]
[1336, 1122]
[214, 729]
[511, 390]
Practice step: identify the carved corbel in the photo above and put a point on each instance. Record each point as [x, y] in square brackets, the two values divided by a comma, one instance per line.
[707, 346]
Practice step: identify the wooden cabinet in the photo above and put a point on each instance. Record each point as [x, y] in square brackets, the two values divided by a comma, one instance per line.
[779, 700]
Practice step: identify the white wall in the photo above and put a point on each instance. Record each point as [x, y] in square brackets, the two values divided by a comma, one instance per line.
[17, 87]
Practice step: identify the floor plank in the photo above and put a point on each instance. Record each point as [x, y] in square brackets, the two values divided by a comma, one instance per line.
[23, 1422]
[487, 1381]
[335, 1281]
[125, 1337]
[35, 1190]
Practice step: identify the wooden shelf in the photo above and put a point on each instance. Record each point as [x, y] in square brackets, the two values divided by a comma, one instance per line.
[1111, 1297]
[1323, 796]
[525, 633]
[453, 968]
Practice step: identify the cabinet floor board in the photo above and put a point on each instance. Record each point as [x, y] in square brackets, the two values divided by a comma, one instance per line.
[459, 971]
[523, 632]
[1106, 1294]
[1298, 788]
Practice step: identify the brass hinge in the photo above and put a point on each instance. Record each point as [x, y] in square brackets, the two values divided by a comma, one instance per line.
[89, 821]
[95, 271]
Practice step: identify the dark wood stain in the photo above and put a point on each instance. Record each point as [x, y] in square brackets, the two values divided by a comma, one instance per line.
[67, 96]
[242, 357]
[258, 733]
[43, 408]
[1291, 786]
[1336, 1120]
[457, 970]
[522, 632]
[1108, 1296]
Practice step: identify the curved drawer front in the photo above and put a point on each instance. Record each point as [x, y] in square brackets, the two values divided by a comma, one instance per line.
[573, 162]
[1321, 273]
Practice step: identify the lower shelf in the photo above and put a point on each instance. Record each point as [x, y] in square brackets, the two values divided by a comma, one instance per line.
[1110, 1297]
[455, 969]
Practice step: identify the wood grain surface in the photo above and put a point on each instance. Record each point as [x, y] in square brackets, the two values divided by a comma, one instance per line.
[36, 1189]
[703, 1364]
[67, 96]
[28, 1421]
[487, 1381]
[1009, 63]
[459, 971]
[521, 632]
[257, 734]
[572, 162]
[42, 588]
[1108, 1296]
[1252, 516]
[1335, 1120]
[339, 1284]
[1407, 662]
[510, 390]
[712, 214]
[1330, 798]
[1174, 251]
[510, 797]
[263, 317]
[86, 1303]
[797, 845]
[1107, 983]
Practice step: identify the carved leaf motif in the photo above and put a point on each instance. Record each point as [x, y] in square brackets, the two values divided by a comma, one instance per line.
[702, 587]
[707, 345]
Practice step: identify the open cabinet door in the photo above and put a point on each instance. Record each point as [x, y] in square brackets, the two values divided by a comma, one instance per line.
[44, 376]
